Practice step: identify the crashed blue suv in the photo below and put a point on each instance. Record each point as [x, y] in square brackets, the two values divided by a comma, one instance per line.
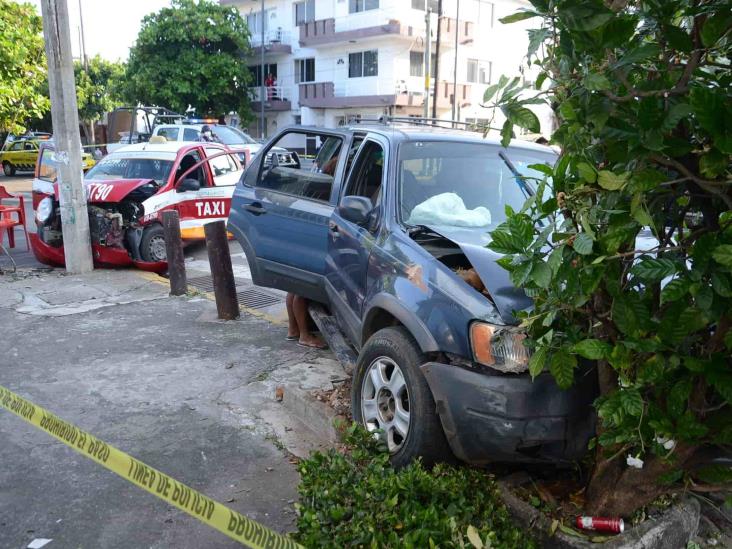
[386, 226]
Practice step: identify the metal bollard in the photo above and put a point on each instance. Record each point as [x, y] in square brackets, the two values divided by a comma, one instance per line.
[174, 253]
[222, 272]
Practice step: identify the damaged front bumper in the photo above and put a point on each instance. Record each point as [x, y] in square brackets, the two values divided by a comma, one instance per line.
[489, 418]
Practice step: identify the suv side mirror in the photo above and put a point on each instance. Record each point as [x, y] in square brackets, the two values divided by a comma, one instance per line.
[189, 185]
[356, 209]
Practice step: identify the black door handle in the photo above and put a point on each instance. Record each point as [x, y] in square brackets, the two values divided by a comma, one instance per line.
[256, 208]
[333, 228]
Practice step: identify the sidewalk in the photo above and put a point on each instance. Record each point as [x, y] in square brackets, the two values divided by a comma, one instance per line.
[159, 378]
[17, 184]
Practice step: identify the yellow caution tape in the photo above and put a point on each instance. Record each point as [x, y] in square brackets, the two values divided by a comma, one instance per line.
[218, 516]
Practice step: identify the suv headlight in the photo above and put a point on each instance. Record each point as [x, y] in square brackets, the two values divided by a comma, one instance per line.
[500, 347]
[44, 209]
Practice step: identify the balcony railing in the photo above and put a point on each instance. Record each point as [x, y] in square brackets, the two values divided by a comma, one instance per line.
[325, 31]
[276, 98]
[276, 36]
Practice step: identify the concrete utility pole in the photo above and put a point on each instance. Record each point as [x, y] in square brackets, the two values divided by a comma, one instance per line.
[263, 89]
[427, 59]
[437, 58]
[454, 73]
[65, 118]
[85, 59]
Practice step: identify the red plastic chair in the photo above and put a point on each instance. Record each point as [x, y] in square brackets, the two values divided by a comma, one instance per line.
[7, 222]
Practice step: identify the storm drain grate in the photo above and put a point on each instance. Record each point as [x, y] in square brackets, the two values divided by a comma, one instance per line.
[251, 297]
[254, 298]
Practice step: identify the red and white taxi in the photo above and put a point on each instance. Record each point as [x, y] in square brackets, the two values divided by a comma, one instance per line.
[128, 190]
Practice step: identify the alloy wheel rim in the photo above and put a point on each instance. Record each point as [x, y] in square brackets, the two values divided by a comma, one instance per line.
[385, 403]
[157, 248]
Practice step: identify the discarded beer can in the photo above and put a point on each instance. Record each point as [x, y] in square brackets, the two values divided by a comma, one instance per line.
[601, 524]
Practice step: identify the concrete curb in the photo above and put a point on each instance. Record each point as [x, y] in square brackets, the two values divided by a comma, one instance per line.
[314, 415]
[674, 528]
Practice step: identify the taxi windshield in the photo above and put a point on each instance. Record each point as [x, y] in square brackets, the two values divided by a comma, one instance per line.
[119, 167]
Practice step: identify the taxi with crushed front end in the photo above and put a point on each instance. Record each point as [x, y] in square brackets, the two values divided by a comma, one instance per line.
[127, 192]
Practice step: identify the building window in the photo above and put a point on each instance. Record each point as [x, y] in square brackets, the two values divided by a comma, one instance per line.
[354, 6]
[416, 64]
[254, 21]
[256, 72]
[304, 70]
[422, 5]
[486, 13]
[479, 72]
[304, 12]
[363, 63]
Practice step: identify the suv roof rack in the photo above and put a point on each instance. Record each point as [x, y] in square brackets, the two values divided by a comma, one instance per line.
[387, 120]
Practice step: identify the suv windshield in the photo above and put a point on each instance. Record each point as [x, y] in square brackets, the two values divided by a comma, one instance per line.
[232, 136]
[462, 184]
[118, 167]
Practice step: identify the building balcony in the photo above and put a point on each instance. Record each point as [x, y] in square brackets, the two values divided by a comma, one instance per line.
[275, 99]
[323, 95]
[323, 32]
[276, 42]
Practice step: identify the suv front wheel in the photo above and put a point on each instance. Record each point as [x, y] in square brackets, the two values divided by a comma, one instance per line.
[390, 394]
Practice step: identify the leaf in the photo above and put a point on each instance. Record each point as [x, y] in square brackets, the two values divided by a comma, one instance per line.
[537, 362]
[675, 114]
[712, 164]
[503, 242]
[721, 284]
[632, 402]
[541, 274]
[474, 537]
[490, 91]
[597, 81]
[715, 27]
[715, 474]
[611, 181]
[582, 244]
[520, 15]
[674, 290]
[506, 132]
[587, 172]
[567, 111]
[562, 367]
[653, 270]
[520, 273]
[536, 38]
[723, 254]
[638, 54]
[629, 314]
[592, 349]
[678, 397]
[522, 117]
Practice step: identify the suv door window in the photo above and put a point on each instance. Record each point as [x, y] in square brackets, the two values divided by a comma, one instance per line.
[366, 177]
[302, 164]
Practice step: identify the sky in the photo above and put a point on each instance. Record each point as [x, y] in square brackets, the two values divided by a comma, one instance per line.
[110, 26]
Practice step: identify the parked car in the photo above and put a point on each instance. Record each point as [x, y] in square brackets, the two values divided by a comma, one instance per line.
[127, 192]
[232, 137]
[388, 229]
[21, 154]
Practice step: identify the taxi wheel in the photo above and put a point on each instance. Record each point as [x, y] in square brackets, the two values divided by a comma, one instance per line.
[152, 245]
[8, 169]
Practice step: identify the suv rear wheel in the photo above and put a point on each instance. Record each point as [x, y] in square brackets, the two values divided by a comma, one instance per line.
[391, 394]
[8, 169]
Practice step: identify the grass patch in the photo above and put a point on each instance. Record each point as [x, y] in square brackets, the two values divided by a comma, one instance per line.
[355, 498]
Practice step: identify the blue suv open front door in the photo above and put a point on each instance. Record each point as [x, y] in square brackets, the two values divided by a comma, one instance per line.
[281, 210]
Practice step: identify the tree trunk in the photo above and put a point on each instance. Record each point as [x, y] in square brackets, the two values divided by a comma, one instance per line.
[617, 490]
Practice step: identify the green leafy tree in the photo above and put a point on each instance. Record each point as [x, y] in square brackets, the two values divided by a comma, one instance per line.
[193, 53]
[626, 246]
[22, 66]
[97, 90]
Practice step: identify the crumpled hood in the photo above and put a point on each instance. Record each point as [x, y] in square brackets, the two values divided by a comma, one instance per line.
[473, 242]
[112, 190]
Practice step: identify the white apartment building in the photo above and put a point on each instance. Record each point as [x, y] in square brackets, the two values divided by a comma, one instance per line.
[335, 59]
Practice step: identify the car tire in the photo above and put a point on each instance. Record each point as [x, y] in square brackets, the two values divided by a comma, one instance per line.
[386, 351]
[8, 169]
[152, 244]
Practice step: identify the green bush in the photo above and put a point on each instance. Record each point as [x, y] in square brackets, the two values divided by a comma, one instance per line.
[357, 499]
